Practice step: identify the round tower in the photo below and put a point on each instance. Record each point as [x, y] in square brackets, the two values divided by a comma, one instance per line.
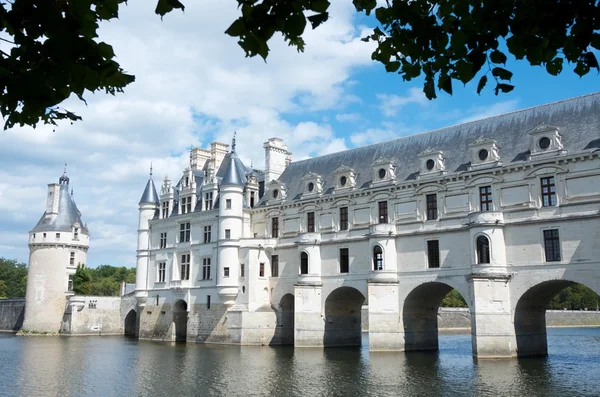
[148, 207]
[231, 204]
[57, 245]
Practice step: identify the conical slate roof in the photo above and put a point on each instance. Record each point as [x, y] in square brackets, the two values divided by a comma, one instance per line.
[150, 196]
[235, 171]
[68, 215]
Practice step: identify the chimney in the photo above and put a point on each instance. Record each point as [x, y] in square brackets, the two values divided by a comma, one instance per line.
[218, 151]
[277, 158]
[52, 201]
[198, 158]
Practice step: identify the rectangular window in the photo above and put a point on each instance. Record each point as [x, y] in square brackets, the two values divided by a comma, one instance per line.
[548, 191]
[72, 259]
[208, 201]
[206, 269]
[344, 218]
[227, 233]
[344, 260]
[310, 222]
[44, 235]
[70, 284]
[552, 245]
[431, 200]
[485, 198]
[252, 198]
[76, 233]
[162, 271]
[184, 232]
[163, 240]
[228, 204]
[274, 265]
[261, 269]
[57, 235]
[242, 270]
[165, 209]
[186, 205]
[383, 212]
[207, 233]
[225, 272]
[185, 266]
[207, 302]
[433, 253]
[275, 227]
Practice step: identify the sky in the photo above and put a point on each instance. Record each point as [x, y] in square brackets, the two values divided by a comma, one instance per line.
[194, 85]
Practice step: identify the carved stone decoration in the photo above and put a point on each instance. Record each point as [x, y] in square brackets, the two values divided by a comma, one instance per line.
[545, 141]
[484, 153]
[432, 163]
[384, 171]
[313, 185]
[344, 178]
[276, 192]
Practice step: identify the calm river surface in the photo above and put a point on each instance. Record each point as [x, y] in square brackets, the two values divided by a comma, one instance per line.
[113, 366]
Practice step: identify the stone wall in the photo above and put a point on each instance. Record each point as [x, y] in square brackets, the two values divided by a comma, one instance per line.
[12, 312]
[93, 315]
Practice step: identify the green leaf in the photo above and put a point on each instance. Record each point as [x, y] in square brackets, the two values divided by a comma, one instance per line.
[365, 5]
[502, 73]
[498, 57]
[505, 88]
[237, 28]
[581, 69]
[319, 6]
[296, 24]
[445, 83]
[317, 19]
[482, 82]
[392, 66]
[163, 7]
[555, 66]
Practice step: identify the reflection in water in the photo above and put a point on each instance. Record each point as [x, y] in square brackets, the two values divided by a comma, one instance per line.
[112, 366]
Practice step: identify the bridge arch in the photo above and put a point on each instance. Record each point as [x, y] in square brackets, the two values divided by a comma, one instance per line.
[530, 315]
[342, 317]
[420, 314]
[130, 324]
[180, 318]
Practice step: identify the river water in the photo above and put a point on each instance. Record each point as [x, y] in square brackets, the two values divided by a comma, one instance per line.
[114, 366]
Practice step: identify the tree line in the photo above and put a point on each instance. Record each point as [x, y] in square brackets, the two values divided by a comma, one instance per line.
[104, 280]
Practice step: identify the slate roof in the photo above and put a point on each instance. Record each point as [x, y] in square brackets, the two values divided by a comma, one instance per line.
[149, 196]
[578, 119]
[68, 215]
[235, 171]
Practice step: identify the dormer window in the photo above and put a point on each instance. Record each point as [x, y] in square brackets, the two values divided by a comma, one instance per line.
[384, 171]
[313, 185]
[344, 177]
[432, 162]
[545, 141]
[381, 173]
[484, 153]
[276, 191]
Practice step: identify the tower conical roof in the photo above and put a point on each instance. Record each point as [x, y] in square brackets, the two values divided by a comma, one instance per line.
[235, 172]
[68, 215]
[150, 196]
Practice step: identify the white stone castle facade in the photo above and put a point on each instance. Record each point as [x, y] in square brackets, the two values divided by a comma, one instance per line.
[505, 210]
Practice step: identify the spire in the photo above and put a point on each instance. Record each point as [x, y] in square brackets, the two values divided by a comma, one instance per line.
[64, 179]
[149, 196]
[235, 172]
[151, 170]
[233, 142]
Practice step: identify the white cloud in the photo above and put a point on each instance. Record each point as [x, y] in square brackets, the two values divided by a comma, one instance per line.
[390, 104]
[348, 117]
[193, 85]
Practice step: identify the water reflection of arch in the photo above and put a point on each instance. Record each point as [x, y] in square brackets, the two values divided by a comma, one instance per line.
[284, 328]
[420, 313]
[342, 315]
[529, 312]
[180, 319]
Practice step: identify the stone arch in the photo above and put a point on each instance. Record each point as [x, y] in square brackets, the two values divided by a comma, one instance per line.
[530, 315]
[482, 249]
[420, 315]
[130, 324]
[377, 257]
[304, 263]
[285, 311]
[343, 317]
[180, 317]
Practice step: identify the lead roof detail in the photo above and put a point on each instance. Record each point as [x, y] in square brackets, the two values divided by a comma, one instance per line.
[68, 215]
[578, 119]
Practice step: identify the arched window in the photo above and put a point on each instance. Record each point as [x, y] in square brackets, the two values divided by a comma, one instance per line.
[483, 250]
[377, 258]
[304, 263]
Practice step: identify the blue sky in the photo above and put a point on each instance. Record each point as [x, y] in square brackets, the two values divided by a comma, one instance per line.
[194, 85]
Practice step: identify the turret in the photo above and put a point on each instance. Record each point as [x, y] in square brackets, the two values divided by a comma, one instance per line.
[231, 204]
[57, 245]
[148, 207]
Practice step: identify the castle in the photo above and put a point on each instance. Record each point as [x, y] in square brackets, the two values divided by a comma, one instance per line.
[504, 210]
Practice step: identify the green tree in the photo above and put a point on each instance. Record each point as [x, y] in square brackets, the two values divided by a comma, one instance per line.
[575, 297]
[454, 299]
[3, 289]
[82, 281]
[14, 276]
[55, 51]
